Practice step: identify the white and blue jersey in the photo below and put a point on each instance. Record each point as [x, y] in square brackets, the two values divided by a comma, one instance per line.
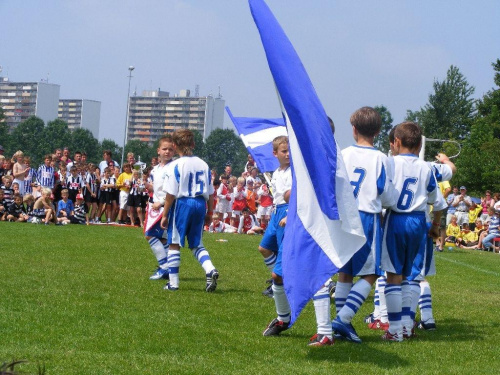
[157, 178]
[405, 224]
[189, 180]
[281, 182]
[371, 179]
[45, 176]
[442, 172]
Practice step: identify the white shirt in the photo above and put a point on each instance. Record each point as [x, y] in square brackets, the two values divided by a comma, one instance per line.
[281, 183]
[415, 183]
[188, 176]
[442, 172]
[370, 177]
[158, 175]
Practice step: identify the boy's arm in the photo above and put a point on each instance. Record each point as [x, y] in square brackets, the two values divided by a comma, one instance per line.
[442, 158]
[169, 201]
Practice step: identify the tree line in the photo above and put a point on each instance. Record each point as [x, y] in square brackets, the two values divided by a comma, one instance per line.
[36, 140]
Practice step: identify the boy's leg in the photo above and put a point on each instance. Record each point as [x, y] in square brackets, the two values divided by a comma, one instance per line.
[174, 262]
[407, 315]
[321, 302]
[425, 304]
[393, 296]
[283, 310]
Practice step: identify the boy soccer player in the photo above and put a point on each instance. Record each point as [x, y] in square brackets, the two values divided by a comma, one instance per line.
[270, 245]
[371, 181]
[155, 235]
[189, 188]
[405, 224]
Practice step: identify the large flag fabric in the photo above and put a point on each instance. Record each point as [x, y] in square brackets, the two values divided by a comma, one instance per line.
[323, 227]
[257, 135]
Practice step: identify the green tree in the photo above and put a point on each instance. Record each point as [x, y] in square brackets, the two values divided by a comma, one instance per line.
[199, 145]
[382, 140]
[26, 137]
[4, 133]
[491, 99]
[55, 135]
[223, 146]
[477, 165]
[450, 112]
[83, 140]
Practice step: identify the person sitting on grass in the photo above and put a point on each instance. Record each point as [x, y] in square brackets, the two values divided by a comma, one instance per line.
[452, 231]
[80, 212]
[248, 223]
[467, 239]
[44, 209]
[65, 208]
[493, 232]
[16, 211]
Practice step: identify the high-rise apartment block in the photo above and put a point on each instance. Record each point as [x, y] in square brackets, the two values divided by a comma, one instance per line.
[81, 113]
[156, 113]
[20, 100]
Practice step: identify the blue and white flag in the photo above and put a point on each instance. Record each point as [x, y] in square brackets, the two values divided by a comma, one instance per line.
[323, 228]
[257, 135]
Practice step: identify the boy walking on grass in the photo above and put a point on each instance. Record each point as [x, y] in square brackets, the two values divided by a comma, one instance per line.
[189, 189]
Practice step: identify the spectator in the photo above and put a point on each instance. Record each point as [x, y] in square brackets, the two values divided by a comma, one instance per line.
[108, 159]
[486, 202]
[462, 203]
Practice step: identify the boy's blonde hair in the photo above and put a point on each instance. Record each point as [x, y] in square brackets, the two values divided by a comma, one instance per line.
[280, 140]
[18, 154]
[241, 180]
[28, 198]
[64, 191]
[46, 191]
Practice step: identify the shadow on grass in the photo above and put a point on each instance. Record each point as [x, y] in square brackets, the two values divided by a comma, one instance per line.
[358, 354]
[452, 330]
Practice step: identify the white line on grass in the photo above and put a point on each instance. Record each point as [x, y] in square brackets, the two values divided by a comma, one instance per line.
[469, 266]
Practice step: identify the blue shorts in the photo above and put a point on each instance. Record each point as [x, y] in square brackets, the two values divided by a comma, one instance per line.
[403, 237]
[186, 220]
[423, 260]
[156, 231]
[273, 237]
[366, 261]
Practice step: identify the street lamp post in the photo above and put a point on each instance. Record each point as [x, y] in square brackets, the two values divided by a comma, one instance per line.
[130, 68]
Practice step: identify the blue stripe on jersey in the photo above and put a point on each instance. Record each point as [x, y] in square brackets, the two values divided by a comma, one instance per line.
[439, 176]
[432, 184]
[381, 181]
[177, 174]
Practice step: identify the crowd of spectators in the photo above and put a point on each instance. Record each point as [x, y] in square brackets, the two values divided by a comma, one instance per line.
[67, 189]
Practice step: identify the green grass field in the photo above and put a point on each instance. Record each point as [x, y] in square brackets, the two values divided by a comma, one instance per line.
[78, 300]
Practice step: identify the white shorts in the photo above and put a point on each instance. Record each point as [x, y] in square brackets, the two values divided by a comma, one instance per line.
[264, 211]
[462, 217]
[236, 213]
[123, 200]
[223, 205]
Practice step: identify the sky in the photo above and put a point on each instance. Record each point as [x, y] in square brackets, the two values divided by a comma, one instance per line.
[357, 53]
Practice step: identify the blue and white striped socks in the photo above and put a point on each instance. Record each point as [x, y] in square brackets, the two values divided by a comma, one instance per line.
[159, 251]
[355, 299]
[393, 297]
[201, 254]
[174, 262]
